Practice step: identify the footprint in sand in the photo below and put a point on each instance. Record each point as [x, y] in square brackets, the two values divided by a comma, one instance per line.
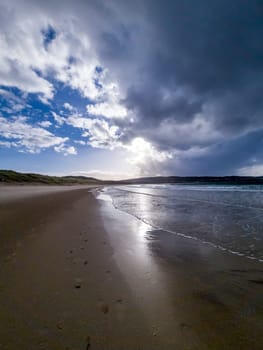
[103, 307]
[88, 343]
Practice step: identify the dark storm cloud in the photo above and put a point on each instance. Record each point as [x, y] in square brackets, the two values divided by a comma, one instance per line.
[210, 43]
[190, 72]
[204, 60]
[213, 49]
[154, 107]
[223, 158]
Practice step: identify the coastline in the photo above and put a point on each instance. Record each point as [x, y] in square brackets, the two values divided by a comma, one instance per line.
[75, 273]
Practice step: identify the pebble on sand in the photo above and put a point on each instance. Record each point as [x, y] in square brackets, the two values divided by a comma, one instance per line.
[78, 283]
[60, 325]
[104, 308]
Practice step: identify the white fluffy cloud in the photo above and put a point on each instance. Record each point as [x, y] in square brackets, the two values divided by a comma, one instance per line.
[66, 150]
[6, 144]
[58, 119]
[99, 132]
[19, 133]
[27, 61]
[80, 142]
[45, 123]
[13, 103]
[68, 106]
[108, 105]
[107, 109]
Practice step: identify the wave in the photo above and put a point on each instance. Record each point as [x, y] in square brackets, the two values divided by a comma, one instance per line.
[109, 197]
[192, 199]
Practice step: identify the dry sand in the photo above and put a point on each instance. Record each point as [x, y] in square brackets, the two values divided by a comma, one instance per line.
[59, 285]
[77, 274]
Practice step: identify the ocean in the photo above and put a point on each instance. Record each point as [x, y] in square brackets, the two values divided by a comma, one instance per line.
[229, 218]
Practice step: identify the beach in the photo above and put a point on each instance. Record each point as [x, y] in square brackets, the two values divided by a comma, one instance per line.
[77, 273]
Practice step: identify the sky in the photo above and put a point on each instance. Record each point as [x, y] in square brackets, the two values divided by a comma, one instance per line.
[120, 89]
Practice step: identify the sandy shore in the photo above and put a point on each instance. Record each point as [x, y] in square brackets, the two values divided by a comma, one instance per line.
[77, 274]
[59, 286]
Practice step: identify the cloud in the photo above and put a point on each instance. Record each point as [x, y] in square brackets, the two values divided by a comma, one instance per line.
[109, 104]
[48, 45]
[102, 175]
[45, 124]
[66, 150]
[253, 170]
[99, 132]
[68, 106]
[6, 144]
[107, 109]
[145, 157]
[11, 103]
[58, 119]
[13, 73]
[80, 142]
[186, 77]
[17, 132]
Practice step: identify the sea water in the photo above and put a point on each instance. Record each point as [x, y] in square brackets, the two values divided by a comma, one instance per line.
[227, 217]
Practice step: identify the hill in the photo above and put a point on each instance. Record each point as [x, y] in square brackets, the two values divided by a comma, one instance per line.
[10, 176]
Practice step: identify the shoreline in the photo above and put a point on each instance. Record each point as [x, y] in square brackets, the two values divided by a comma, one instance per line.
[204, 297]
[76, 273]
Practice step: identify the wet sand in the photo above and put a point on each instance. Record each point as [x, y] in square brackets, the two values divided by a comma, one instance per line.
[197, 296]
[75, 273]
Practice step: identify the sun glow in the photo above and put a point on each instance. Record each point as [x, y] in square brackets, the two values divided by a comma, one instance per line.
[143, 153]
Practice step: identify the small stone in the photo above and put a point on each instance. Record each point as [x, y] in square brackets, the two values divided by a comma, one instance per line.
[184, 325]
[104, 308]
[85, 262]
[78, 283]
[60, 325]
